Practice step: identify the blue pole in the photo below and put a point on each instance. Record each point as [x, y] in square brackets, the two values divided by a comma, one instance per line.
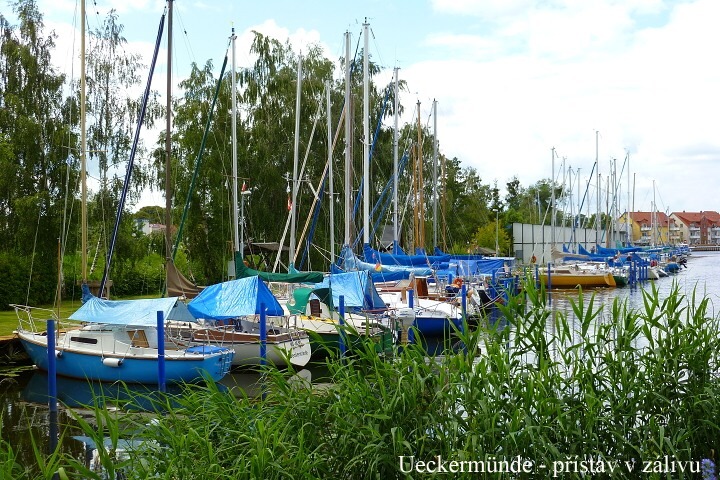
[537, 276]
[52, 385]
[263, 335]
[463, 303]
[411, 304]
[341, 338]
[161, 350]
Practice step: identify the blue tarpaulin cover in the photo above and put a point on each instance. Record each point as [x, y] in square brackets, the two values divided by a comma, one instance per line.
[236, 298]
[142, 312]
[357, 288]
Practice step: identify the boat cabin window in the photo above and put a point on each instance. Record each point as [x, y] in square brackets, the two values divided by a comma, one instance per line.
[91, 341]
[315, 310]
[138, 338]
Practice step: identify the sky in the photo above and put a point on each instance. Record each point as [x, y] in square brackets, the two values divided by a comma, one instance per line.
[631, 83]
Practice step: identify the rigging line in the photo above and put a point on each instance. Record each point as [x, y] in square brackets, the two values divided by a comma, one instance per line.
[198, 161]
[188, 43]
[315, 206]
[132, 157]
[377, 50]
[32, 257]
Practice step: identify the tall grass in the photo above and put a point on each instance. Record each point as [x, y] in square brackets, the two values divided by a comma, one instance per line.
[622, 386]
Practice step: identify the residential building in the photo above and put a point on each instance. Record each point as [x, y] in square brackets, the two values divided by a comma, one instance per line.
[699, 228]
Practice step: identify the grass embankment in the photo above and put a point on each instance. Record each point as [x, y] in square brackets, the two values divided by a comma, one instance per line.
[535, 396]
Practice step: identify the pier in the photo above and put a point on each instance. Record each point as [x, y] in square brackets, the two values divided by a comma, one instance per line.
[705, 248]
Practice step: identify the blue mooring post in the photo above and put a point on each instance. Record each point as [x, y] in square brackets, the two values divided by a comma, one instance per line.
[341, 337]
[463, 303]
[537, 276]
[411, 304]
[52, 385]
[161, 351]
[263, 335]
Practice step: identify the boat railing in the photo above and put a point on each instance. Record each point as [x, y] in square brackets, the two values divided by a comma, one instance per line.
[27, 317]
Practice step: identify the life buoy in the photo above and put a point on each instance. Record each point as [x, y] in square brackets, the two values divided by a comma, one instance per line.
[533, 259]
[458, 282]
[653, 263]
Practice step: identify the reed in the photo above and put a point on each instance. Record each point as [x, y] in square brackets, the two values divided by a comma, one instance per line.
[628, 388]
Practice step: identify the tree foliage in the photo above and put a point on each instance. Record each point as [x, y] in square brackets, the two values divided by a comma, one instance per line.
[40, 152]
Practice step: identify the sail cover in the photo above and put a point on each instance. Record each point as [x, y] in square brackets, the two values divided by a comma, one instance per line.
[357, 289]
[233, 299]
[142, 312]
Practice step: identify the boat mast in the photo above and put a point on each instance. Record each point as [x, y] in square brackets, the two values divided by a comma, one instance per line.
[296, 155]
[597, 215]
[348, 144]
[419, 203]
[627, 219]
[168, 126]
[236, 235]
[395, 166]
[366, 138]
[83, 150]
[435, 176]
[552, 202]
[653, 218]
[330, 171]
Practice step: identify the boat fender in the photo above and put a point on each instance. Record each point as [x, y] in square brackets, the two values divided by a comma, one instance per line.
[58, 353]
[112, 362]
[406, 316]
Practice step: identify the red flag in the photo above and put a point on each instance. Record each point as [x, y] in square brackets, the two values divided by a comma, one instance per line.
[244, 187]
[289, 204]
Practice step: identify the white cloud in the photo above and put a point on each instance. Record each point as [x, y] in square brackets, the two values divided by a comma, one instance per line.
[580, 67]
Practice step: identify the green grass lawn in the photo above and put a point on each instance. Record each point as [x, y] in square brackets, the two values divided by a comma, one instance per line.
[9, 320]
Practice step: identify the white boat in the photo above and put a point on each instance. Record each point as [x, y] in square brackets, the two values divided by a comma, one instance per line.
[118, 341]
[229, 316]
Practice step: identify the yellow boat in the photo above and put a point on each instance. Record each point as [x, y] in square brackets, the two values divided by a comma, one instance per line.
[573, 276]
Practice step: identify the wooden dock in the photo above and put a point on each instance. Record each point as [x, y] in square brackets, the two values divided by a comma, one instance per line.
[705, 248]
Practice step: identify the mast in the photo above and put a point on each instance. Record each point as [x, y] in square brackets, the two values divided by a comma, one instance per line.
[330, 171]
[168, 126]
[366, 138]
[627, 219]
[552, 201]
[348, 144]
[597, 215]
[83, 150]
[395, 165]
[418, 238]
[236, 235]
[653, 218]
[296, 155]
[435, 175]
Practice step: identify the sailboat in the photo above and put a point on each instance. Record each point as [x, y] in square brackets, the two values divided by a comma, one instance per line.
[120, 340]
[229, 311]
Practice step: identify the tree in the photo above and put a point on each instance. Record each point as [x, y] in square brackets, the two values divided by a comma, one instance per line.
[33, 147]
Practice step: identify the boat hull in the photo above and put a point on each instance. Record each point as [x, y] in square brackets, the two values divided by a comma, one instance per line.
[563, 280]
[293, 347]
[436, 326]
[180, 365]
